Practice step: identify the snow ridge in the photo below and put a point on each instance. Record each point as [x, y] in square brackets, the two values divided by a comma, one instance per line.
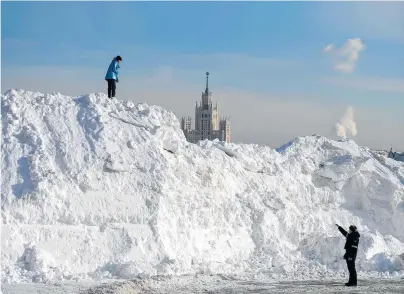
[94, 188]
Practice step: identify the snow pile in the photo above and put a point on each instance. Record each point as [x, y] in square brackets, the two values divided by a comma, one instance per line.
[98, 188]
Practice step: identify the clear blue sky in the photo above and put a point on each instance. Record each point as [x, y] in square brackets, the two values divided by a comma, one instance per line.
[269, 49]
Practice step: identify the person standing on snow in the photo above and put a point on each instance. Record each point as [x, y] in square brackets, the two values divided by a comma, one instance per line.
[112, 76]
[351, 247]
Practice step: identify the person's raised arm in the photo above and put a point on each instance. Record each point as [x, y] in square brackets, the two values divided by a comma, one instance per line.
[343, 232]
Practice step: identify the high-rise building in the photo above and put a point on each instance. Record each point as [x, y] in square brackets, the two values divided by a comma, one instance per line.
[208, 124]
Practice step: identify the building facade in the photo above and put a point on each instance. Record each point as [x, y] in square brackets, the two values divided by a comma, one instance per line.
[208, 124]
[396, 155]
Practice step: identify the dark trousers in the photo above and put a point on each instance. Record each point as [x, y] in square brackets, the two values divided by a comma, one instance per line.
[111, 88]
[352, 271]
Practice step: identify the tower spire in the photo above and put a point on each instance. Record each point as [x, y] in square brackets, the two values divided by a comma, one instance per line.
[207, 83]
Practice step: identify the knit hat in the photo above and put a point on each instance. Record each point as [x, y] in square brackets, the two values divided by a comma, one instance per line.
[352, 228]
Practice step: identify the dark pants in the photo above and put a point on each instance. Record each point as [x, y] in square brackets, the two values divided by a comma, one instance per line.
[352, 271]
[111, 88]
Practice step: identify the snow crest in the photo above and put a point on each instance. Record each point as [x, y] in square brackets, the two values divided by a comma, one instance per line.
[94, 188]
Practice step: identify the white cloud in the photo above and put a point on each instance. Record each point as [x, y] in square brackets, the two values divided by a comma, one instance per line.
[328, 48]
[346, 57]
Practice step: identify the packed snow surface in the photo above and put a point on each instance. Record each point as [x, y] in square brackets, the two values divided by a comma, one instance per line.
[222, 284]
[95, 189]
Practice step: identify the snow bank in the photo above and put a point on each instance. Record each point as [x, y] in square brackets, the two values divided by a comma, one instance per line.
[98, 189]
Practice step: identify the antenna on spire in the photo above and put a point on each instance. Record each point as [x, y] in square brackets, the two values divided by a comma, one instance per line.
[207, 83]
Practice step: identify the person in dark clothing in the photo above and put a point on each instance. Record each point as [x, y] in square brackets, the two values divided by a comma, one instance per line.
[351, 249]
[112, 76]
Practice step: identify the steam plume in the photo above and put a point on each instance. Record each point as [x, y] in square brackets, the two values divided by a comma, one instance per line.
[346, 125]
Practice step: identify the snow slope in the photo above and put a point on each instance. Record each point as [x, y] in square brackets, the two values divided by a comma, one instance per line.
[98, 189]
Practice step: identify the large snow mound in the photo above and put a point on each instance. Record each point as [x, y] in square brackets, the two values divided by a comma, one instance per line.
[94, 188]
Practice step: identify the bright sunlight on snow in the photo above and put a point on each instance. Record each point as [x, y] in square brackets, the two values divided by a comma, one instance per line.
[96, 189]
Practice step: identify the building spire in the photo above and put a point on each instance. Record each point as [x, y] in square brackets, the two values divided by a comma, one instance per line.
[207, 83]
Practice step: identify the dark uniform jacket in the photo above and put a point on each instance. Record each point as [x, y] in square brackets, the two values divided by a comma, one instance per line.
[351, 244]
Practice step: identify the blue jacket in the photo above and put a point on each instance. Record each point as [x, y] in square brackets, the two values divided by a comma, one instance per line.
[112, 72]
